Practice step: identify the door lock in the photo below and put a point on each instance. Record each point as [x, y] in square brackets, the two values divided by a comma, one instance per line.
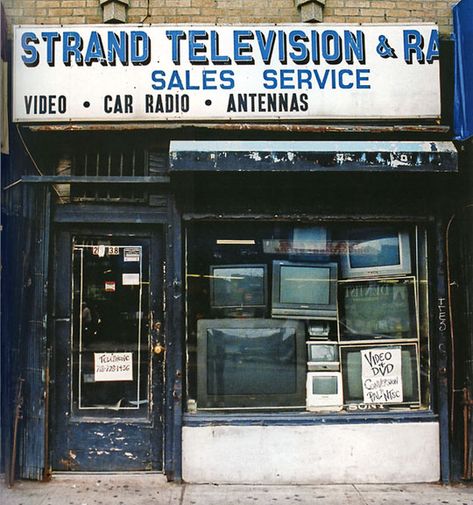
[158, 349]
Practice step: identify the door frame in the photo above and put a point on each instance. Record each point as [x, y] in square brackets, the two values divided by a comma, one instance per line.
[168, 218]
[60, 314]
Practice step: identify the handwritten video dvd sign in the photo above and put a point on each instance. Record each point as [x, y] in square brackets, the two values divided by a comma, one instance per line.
[202, 73]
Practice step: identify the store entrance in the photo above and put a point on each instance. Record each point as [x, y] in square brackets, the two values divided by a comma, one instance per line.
[108, 352]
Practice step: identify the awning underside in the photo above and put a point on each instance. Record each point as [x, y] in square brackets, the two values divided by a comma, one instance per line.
[313, 156]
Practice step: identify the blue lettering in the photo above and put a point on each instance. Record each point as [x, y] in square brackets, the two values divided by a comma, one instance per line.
[354, 46]
[95, 50]
[282, 46]
[175, 36]
[157, 78]
[270, 79]
[321, 82]
[189, 85]
[217, 59]
[117, 47]
[340, 79]
[139, 40]
[197, 47]
[226, 77]
[287, 79]
[304, 77]
[315, 46]
[296, 41]
[208, 79]
[362, 77]
[32, 56]
[331, 43]
[71, 48]
[240, 47]
[175, 81]
[266, 46]
[433, 52]
[413, 44]
[50, 38]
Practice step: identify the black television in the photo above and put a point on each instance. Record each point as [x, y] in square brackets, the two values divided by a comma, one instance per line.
[376, 251]
[304, 290]
[351, 364]
[250, 364]
[376, 309]
[236, 288]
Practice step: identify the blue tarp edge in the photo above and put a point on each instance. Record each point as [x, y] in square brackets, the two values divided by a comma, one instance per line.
[463, 95]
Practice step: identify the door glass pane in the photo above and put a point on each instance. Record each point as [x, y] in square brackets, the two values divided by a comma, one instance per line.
[110, 341]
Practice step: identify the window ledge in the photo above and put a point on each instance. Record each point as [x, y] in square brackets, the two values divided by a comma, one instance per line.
[306, 418]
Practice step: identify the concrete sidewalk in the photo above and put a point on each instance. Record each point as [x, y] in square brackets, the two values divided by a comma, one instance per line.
[126, 489]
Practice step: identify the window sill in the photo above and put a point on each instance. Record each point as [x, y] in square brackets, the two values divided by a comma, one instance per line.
[305, 418]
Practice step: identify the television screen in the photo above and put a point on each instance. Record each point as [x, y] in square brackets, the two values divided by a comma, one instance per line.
[250, 363]
[325, 386]
[322, 356]
[408, 381]
[320, 352]
[304, 290]
[384, 308]
[376, 251]
[237, 286]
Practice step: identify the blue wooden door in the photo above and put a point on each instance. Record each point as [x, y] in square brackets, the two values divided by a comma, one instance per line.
[107, 352]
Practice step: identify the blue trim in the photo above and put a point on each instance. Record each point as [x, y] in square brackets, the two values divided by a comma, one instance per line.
[306, 419]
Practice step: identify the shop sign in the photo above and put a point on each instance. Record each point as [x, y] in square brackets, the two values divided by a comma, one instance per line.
[257, 72]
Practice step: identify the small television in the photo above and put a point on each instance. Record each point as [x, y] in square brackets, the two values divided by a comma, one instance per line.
[238, 288]
[250, 364]
[322, 356]
[324, 391]
[304, 290]
[351, 366]
[378, 309]
[375, 252]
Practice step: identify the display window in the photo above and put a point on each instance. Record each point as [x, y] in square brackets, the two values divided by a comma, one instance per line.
[326, 317]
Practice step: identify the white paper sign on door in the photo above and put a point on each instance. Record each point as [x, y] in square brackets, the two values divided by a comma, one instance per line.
[381, 375]
[113, 366]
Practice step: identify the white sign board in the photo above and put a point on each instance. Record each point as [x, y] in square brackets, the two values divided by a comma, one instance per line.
[381, 375]
[113, 366]
[257, 72]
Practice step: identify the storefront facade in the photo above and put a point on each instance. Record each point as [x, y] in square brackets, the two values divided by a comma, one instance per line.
[241, 238]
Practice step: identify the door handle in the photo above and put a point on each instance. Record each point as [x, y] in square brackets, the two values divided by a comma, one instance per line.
[158, 348]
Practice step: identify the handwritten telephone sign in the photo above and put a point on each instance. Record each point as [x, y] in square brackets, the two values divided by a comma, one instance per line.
[256, 72]
[381, 375]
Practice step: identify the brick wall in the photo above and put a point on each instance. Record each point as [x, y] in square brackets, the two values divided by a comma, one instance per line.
[231, 11]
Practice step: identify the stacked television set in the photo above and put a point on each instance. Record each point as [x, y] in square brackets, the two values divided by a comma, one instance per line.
[314, 320]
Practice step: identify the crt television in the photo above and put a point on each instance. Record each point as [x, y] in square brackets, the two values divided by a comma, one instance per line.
[304, 290]
[377, 309]
[352, 377]
[375, 252]
[324, 391]
[238, 286]
[250, 364]
[322, 356]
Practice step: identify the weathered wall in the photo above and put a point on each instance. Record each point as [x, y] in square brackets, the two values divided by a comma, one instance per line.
[232, 11]
[371, 453]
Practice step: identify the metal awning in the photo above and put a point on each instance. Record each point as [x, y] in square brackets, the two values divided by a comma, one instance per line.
[313, 156]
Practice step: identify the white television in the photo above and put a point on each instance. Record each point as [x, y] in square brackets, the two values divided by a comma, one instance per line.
[324, 391]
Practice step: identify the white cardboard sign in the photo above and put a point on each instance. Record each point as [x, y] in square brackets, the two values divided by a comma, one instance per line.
[381, 375]
[113, 366]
